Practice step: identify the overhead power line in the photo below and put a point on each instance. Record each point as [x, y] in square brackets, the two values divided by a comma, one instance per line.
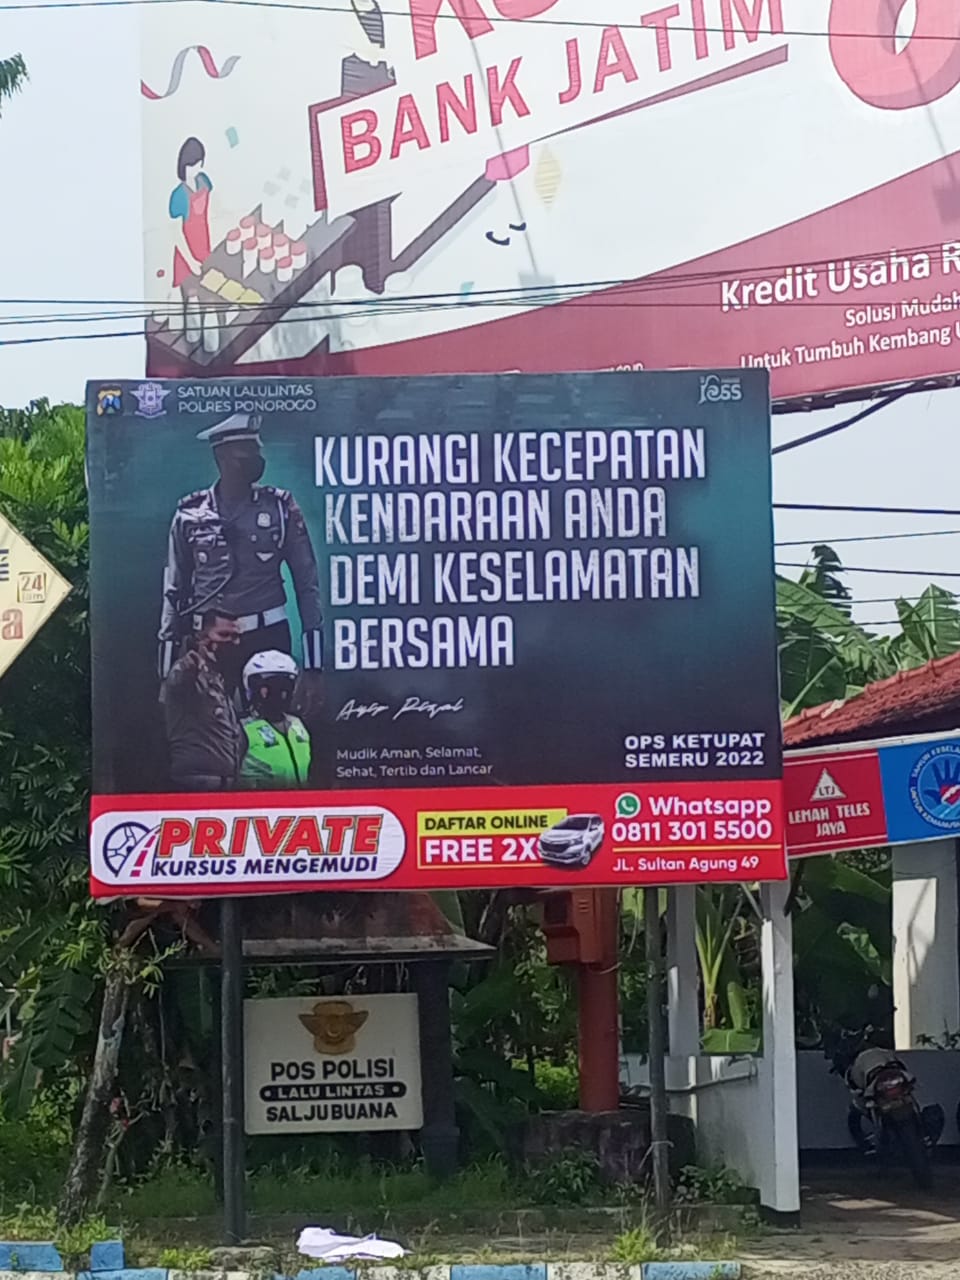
[873, 511]
[877, 600]
[275, 313]
[869, 537]
[871, 409]
[663, 280]
[495, 19]
[880, 622]
[854, 568]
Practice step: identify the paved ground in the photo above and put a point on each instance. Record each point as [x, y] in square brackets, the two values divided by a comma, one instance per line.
[864, 1223]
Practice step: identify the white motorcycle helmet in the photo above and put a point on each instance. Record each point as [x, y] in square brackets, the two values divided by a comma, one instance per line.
[264, 665]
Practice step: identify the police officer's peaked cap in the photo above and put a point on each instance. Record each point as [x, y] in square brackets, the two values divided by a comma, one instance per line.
[239, 426]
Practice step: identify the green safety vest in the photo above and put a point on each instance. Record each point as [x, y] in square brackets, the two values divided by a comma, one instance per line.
[274, 758]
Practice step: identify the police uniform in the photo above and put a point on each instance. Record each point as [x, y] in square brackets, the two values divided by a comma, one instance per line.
[204, 736]
[231, 559]
[275, 757]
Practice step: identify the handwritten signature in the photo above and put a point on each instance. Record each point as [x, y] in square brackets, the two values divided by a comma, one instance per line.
[353, 710]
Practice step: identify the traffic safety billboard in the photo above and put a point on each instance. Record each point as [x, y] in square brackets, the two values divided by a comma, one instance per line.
[436, 186]
[433, 632]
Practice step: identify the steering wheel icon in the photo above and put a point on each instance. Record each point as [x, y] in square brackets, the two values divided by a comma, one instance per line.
[120, 843]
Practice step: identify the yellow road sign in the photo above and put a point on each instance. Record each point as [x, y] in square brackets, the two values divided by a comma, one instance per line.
[30, 590]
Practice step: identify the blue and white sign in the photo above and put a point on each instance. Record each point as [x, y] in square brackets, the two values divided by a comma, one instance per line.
[921, 789]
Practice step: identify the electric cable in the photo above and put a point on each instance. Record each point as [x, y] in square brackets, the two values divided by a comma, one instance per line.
[823, 432]
[666, 278]
[495, 19]
[855, 568]
[869, 537]
[874, 511]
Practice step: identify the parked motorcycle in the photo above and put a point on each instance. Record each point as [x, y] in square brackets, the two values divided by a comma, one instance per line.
[885, 1119]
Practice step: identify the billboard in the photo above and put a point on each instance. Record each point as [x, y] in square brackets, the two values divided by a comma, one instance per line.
[435, 186]
[864, 795]
[422, 632]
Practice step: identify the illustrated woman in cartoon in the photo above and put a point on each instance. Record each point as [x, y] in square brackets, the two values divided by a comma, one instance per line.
[190, 205]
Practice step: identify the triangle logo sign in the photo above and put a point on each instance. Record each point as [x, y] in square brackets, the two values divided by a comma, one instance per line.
[827, 788]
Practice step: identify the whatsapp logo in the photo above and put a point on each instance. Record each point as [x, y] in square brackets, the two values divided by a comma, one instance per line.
[628, 805]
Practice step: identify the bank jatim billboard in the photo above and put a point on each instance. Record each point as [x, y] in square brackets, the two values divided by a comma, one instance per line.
[493, 185]
[437, 632]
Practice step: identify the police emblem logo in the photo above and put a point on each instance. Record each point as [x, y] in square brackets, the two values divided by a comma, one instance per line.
[150, 397]
[109, 402]
[263, 520]
[334, 1024]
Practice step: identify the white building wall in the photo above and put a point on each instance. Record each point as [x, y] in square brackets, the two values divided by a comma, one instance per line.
[926, 972]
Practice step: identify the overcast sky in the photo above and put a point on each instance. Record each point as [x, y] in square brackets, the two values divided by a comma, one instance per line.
[70, 222]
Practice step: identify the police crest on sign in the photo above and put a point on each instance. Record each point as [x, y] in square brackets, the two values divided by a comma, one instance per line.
[331, 1065]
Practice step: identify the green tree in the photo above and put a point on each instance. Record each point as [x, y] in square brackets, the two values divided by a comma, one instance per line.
[13, 75]
[841, 905]
[51, 936]
[825, 655]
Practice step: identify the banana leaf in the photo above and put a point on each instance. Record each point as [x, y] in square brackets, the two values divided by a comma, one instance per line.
[722, 1040]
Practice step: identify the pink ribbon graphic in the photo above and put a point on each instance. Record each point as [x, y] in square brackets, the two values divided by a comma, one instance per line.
[176, 71]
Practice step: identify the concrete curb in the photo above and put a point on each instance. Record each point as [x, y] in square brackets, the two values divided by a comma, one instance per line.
[477, 1271]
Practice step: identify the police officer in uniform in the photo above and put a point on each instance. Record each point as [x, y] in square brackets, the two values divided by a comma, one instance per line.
[276, 744]
[227, 546]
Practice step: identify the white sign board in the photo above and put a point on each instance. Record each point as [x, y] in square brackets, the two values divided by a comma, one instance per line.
[30, 591]
[323, 1065]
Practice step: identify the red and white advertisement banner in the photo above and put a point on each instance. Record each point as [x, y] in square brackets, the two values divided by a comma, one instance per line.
[445, 186]
[903, 791]
[474, 838]
[834, 801]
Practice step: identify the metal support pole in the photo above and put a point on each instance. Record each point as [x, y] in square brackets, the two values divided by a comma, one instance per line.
[216, 1072]
[439, 1137]
[231, 1042]
[658, 1046]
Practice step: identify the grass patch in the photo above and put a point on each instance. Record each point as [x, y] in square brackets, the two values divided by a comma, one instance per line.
[433, 1246]
[636, 1246]
[33, 1160]
[173, 1191]
[185, 1259]
[488, 1211]
[29, 1222]
[179, 1191]
[487, 1187]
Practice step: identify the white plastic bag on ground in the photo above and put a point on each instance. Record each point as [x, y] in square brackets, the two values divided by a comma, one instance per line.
[327, 1246]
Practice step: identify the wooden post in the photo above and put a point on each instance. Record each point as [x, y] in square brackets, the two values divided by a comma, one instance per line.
[439, 1137]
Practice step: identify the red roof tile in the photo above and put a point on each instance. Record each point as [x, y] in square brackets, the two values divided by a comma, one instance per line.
[899, 704]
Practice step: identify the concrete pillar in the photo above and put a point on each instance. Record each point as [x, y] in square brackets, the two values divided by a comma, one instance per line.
[683, 1012]
[779, 1160]
[926, 982]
